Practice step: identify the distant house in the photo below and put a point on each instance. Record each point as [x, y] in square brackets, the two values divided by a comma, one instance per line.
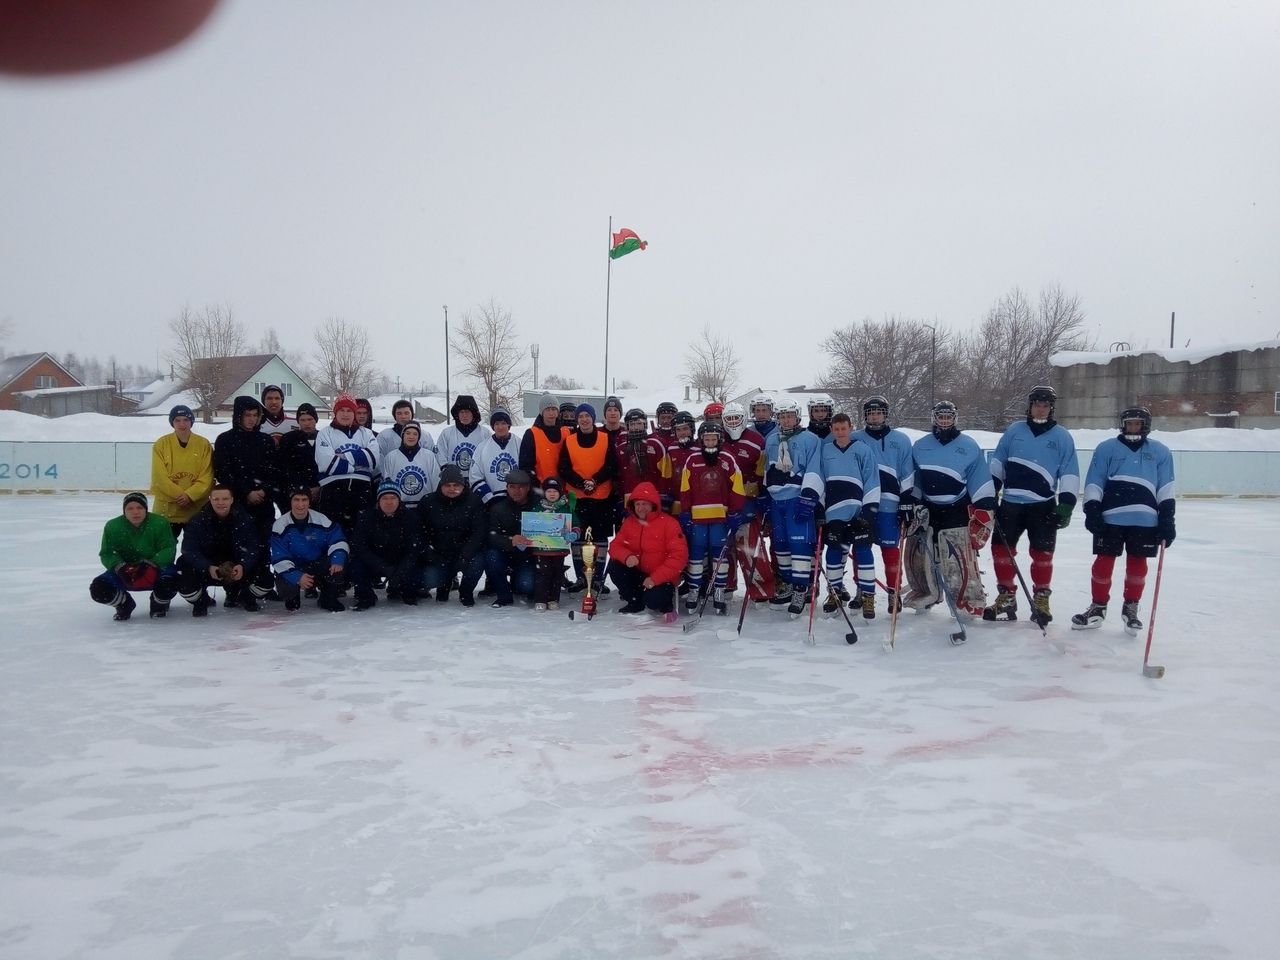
[250, 375]
[37, 383]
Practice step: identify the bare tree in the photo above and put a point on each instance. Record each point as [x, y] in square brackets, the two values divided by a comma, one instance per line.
[556, 382]
[711, 365]
[898, 358]
[344, 359]
[486, 341]
[1008, 354]
[204, 341]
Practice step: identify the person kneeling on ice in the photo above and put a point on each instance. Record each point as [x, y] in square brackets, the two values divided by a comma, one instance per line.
[1129, 508]
[308, 550]
[648, 553]
[386, 544]
[220, 549]
[138, 550]
[453, 528]
[956, 499]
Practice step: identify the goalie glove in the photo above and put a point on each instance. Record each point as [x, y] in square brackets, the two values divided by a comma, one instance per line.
[980, 523]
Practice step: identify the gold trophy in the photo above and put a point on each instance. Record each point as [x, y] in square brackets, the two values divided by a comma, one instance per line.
[588, 571]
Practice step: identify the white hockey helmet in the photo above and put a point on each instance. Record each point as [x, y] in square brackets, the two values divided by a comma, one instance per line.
[787, 406]
[821, 400]
[762, 400]
[734, 419]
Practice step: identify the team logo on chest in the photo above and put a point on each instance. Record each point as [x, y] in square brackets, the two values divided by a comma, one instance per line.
[464, 455]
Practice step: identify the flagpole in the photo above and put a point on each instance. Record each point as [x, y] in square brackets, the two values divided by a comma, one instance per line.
[607, 283]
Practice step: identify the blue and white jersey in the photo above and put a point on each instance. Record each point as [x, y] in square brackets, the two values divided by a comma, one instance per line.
[765, 428]
[489, 467]
[343, 456]
[1130, 484]
[1032, 469]
[852, 478]
[952, 472]
[416, 476]
[296, 543]
[389, 440]
[457, 447]
[897, 468]
[801, 474]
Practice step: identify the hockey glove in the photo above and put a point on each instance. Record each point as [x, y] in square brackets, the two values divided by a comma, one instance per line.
[1165, 525]
[980, 522]
[916, 517]
[1064, 515]
[838, 532]
[733, 522]
[804, 510]
[1093, 521]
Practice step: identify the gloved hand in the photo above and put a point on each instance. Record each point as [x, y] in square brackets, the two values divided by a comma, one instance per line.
[1093, 521]
[762, 505]
[733, 522]
[1165, 526]
[980, 522]
[838, 532]
[1064, 515]
[916, 516]
[572, 536]
[804, 510]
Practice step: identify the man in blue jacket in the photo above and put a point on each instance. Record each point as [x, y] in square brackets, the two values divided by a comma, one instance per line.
[308, 550]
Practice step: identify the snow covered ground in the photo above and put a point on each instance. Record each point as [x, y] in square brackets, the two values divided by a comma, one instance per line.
[434, 783]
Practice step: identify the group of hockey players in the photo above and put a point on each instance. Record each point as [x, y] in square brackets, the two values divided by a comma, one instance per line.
[282, 508]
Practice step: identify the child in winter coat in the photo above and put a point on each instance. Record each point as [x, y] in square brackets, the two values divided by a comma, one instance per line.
[550, 575]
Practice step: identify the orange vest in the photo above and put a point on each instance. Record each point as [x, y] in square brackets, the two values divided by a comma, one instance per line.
[587, 462]
[546, 454]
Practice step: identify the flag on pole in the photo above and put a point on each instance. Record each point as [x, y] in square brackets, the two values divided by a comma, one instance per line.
[624, 242]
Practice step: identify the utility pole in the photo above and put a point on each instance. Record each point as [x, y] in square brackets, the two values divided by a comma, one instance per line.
[533, 352]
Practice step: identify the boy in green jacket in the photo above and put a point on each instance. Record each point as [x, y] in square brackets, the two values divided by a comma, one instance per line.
[138, 550]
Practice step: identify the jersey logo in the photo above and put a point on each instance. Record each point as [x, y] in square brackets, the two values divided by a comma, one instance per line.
[412, 481]
[464, 455]
[502, 465]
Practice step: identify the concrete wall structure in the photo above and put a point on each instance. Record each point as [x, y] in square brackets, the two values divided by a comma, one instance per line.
[1184, 389]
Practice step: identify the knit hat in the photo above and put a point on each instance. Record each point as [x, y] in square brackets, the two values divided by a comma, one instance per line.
[345, 402]
[306, 408]
[388, 486]
[499, 414]
[267, 389]
[181, 410]
[613, 402]
[519, 476]
[586, 408]
[452, 473]
[551, 483]
[299, 490]
[135, 497]
[548, 400]
[411, 425]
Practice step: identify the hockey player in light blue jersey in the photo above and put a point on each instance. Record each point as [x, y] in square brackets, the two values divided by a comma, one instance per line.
[1129, 508]
[851, 478]
[793, 477]
[957, 497]
[892, 450]
[1037, 480]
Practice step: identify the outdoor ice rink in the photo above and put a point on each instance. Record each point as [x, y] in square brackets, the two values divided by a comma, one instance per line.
[440, 783]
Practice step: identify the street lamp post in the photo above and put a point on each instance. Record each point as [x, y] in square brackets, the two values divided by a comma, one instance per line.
[933, 363]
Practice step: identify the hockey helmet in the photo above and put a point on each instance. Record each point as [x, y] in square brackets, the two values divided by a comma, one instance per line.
[667, 407]
[713, 410]
[710, 428]
[945, 408]
[734, 419]
[635, 414]
[787, 406]
[1042, 394]
[1141, 414]
[876, 404]
[762, 400]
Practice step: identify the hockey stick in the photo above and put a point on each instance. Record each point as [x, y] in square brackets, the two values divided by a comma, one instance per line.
[813, 585]
[715, 572]
[958, 636]
[852, 636]
[895, 595]
[1022, 582]
[749, 578]
[1149, 669]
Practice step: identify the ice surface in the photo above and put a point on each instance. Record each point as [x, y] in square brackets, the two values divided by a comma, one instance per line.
[434, 783]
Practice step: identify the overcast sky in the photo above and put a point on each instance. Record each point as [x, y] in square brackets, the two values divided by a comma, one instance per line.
[793, 166]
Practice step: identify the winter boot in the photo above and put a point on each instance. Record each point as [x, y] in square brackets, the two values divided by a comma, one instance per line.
[159, 609]
[868, 605]
[831, 604]
[718, 602]
[249, 603]
[782, 599]
[294, 603]
[1041, 616]
[632, 606]
[124, 610]
[894, 603]
[1091, 619]
[201, 607]
[365, 600]
[1005, 606]
[1129, 614]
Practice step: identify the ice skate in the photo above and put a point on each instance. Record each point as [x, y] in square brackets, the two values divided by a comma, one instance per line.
[1091, 619]
[1129, 615]
[1004, 608]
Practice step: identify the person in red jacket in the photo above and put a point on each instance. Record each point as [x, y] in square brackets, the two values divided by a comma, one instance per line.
[648, 555]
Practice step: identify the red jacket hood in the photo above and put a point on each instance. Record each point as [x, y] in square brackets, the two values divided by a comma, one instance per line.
[647, 491]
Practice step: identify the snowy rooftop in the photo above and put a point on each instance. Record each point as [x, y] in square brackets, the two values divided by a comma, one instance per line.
[1069, 358]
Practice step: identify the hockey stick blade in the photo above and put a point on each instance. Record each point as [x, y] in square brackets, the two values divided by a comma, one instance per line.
[1153, 672]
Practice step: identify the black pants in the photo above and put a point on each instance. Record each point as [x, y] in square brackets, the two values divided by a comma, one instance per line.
[1039, 521]
[342, 500]
[548, 579]
[630, 583]
[193, 579]
[327, 583]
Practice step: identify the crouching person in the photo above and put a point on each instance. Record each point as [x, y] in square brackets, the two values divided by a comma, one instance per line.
[308, 550]
[509, 564]
[649, 553]
[387, 543]
[453, 526]
[138, 550]
[220, 549]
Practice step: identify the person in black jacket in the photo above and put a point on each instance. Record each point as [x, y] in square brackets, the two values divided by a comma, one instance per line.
[509, 564]
[453, 526]
[245, 461]
[387, 543]
[296, 458]
[221, 533]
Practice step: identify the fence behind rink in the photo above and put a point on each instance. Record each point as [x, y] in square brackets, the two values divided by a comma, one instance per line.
[82, 467]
